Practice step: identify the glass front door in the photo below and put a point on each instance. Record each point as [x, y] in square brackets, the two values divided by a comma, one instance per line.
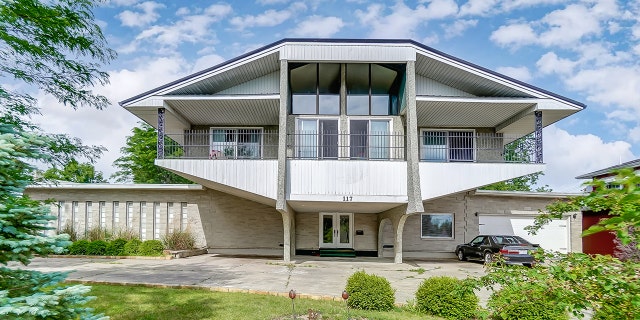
[336, 230]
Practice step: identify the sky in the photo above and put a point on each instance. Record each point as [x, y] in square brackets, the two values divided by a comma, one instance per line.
[585, 50]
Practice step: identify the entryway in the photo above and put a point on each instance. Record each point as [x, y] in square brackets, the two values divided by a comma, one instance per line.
[336, 235]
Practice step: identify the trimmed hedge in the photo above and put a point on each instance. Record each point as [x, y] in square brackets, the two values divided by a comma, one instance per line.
[131, 247]
[151, 248]
[369, 292]
[97, 248]
[525, 303]
[79, 247]
[446, 297]
[116, 247]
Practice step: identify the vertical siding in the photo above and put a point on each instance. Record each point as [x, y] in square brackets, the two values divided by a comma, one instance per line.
[364, 53]
[268, 84]
[429, 87]
[329, 177]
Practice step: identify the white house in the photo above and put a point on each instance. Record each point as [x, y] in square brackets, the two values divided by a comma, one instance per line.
[373, 146]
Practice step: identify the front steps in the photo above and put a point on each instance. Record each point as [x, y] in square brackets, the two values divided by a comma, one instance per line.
[333, 252]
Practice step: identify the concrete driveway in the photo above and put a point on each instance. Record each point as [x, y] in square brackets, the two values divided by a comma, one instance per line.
[314, 277]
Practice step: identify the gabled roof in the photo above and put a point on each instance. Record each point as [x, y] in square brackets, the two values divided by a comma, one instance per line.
[633, 164]
[419, 47]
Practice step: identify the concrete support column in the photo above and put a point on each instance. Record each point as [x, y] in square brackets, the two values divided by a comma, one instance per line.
[289, 234]
[414, 194]
[538, 136]
[398, 227]
[282, 136]
[160, 146]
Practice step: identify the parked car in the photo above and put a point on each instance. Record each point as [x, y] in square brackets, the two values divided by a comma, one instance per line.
[514, 249]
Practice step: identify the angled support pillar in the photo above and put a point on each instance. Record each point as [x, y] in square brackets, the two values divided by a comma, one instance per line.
[538, 136]
[160, 146]
[288, 215]
[414, 194]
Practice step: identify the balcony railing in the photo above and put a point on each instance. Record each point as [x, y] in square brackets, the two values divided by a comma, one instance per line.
[467, 146]
[353, 146]
[435, 146]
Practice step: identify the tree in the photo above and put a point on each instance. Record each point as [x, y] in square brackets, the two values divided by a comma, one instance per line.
[524, 183]
[137, 162]
[608, 286]
[75, 172]
[54, 46]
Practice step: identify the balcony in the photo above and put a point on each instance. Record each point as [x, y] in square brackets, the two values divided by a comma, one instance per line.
[313, 145]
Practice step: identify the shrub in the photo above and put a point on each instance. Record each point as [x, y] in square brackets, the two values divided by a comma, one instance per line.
[79, 247]
[116, 247]
[369, 292]
[97, 248]
[446, 297]
[126, 234]
[151, 248]
[98, 233]
[526, 302]
[179, 240]
[70, 230]
[131, 247]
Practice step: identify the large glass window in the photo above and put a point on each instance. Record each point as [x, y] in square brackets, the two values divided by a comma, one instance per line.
[236, 143]
[372, 89]
[315, 88]
[317, 138]
[443, 146]
[437, 225]
[369, 139]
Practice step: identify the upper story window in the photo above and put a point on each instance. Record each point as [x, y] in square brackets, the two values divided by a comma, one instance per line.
[236, 143]
[372, 89]
[445, 146]
[315, 88]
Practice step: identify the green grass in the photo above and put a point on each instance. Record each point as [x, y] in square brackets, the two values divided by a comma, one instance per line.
[138, 302]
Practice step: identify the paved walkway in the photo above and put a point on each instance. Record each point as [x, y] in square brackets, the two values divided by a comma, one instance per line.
[319, 278]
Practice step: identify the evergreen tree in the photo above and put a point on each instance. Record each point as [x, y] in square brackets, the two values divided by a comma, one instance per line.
[54, 46]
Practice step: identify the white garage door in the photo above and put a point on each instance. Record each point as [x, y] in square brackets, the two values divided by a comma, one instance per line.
[554, 236]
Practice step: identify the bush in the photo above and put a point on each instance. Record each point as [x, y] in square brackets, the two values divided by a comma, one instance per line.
[98, 233]
[97, 248]
[131, 247]
[446, 297]
[126, 234]
[151, 248]
[526, 302]
[179, 240]
[70, 230]
[79, 247]
[116, 247]
[369, 292]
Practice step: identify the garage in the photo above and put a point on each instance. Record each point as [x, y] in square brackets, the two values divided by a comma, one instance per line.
[554, 236]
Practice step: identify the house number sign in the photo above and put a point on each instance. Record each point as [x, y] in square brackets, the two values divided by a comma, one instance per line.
[347, 198]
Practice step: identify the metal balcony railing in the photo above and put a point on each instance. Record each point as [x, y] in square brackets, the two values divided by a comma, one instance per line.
[231, 143]
[354, 146]
[467, 146]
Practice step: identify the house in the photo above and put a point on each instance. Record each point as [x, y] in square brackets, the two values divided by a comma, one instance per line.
[372, 147]
[602, 242]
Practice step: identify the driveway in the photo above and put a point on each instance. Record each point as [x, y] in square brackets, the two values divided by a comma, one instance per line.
[318, 278]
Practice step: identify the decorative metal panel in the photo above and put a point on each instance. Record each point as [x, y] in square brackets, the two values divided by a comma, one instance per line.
[269, 84]
[429, 87]
[352, 52]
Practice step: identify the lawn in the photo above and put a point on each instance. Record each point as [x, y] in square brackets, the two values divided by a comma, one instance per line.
[138, 302]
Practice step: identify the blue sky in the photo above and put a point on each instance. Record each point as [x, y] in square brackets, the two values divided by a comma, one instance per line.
[585, 50]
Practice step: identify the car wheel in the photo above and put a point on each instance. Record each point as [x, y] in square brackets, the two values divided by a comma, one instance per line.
[461, 256]
[488, 257]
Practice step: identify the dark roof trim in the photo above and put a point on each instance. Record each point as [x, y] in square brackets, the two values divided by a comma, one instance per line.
[398, 41]
[634, 164]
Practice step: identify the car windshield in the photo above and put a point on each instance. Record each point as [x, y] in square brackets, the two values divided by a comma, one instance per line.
[509, 240]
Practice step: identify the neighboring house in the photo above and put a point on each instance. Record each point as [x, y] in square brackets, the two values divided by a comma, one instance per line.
[374, 146]
[602, 242]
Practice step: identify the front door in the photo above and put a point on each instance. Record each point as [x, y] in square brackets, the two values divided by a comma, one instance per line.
[336, 230]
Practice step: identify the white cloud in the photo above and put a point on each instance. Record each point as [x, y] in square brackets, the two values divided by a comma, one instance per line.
[207, 61]
[190, 28]
[121, 2]
[510, 5]
[634, 134]
[550, 63]
[268, 2]
[568, 156]
[318, 27]
[611, 85]
[520, 73]
[514, 35]
[140, 19]
[182, 11]
[403, 21]
[458, 27]
[268, 18]
[478, 7]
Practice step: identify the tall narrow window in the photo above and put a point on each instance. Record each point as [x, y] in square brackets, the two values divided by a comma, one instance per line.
[143, 220]
[74, 213]
[156, 220]
[102, 214]
[116, 215]
[373, 89]
[129, 215]
[315, 88]
[170, 217]
[183, 216]
[88, 219]
[62, 219]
